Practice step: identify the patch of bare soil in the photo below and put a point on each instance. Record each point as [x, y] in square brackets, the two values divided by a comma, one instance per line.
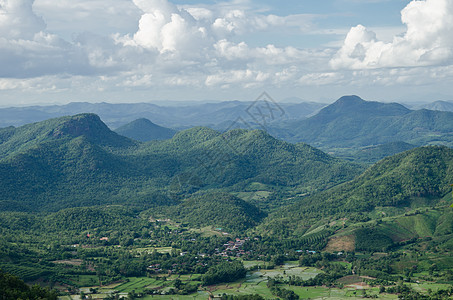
[73, 262]
[341, 243]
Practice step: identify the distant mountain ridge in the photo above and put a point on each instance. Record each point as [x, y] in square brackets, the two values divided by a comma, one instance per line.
[438, 105]
[352, 122]
[181, 116]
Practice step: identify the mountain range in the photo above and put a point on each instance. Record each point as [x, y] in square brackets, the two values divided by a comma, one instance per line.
[347, 128]
[353, 123]
[176, 117]
[79, 161]
[438, 105]
[152, 211]
[81, 202]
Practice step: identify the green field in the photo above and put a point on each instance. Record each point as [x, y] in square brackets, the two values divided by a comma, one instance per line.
[139, 284]
[84, 280]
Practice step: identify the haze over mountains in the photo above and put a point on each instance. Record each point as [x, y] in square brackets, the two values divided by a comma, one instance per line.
[346, 128]
[351, 122]
[437, 105]
[176, 117]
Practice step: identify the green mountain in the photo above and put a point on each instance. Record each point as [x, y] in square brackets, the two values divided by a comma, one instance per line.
[220, 210]
[240, 157]
[415, 178]
[78, 161]
[144, 130]
[15, 140]
[351, 122]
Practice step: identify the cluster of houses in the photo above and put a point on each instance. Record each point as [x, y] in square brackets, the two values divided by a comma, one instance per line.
[234, 248]
[229, 249]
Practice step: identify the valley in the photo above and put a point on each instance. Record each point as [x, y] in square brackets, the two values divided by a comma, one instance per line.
[230, 214]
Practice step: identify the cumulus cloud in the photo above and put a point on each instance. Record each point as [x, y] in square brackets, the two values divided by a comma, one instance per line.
[200, 44]
[157, 45]
[28, 50]
[17, 19]
[320, 78]
[428, 40]
[164, 27]
[68, 17]
[245, 77]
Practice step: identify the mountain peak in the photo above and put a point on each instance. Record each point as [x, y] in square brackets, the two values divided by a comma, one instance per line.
[143, 121]
[81, 124]
[349, 100]
[144, 130]
[359, 107]
[90, 126]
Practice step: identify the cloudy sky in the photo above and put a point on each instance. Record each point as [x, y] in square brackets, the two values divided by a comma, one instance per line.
[58, 51]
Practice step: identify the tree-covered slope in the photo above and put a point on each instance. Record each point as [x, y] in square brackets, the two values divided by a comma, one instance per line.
[144, 130]
[90, 126]
[417, 177]
[421, 228]
[243, 156]
[78, 161]
[214, 209]
[11, 287]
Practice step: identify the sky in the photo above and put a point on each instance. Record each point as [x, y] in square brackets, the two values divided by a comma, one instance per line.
[122, 51]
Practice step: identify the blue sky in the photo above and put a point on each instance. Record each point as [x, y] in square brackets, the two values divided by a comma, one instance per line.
[149, 50]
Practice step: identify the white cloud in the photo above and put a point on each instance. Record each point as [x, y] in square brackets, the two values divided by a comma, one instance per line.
[118, 46]
[28, 49]
[165, 28]
[232, 51]
[320, 79]
[427, 41]
[200, 13]
[17, 19]
[69, 17]
[243, 77]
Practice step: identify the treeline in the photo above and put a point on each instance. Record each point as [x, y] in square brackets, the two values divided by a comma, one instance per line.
[224, 272]
[11, 287]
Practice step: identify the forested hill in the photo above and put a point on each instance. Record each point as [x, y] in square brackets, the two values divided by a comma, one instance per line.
[15, 140]
[77, 161]
[354, 122]
[220, 210]
[418, 177]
